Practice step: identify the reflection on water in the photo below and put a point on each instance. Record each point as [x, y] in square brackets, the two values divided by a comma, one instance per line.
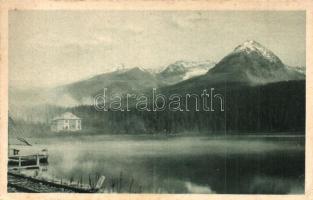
[182, 164]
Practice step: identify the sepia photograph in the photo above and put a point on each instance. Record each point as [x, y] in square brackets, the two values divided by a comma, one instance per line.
[156, 101]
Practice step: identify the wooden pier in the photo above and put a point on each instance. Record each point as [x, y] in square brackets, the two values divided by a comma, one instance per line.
[22, 183]
[17, 162]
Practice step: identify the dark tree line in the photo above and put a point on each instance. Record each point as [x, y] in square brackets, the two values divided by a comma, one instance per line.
[276, 107]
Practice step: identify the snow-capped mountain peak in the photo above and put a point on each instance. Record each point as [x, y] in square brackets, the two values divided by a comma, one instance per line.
[252, 46]
[252, 62]
[182, 70]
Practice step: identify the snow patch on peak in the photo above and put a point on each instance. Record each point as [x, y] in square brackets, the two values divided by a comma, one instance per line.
[189, 67]
[183, 70]
[190, 64]
[133, 69]
[253, 46]
[299, 69]
[196, 71]
[142, 69]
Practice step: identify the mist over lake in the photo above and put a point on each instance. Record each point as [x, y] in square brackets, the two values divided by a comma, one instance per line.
[182, 164]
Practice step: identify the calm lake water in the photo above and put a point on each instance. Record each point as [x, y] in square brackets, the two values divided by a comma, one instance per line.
[181, 164]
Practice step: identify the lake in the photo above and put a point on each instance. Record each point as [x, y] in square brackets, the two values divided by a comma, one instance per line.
[180, 164]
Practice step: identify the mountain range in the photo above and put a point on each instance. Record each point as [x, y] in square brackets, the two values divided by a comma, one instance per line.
[249, 63]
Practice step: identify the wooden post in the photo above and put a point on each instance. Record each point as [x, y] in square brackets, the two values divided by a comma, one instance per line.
[19, 162]
[37, 160]
[99, 183]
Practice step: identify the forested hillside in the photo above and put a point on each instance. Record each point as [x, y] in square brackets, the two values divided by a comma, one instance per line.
[276, 107]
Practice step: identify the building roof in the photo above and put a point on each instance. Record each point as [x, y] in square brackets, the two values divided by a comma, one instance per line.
[66, 115]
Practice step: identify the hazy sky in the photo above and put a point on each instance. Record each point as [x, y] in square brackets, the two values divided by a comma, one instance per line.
[47, 48]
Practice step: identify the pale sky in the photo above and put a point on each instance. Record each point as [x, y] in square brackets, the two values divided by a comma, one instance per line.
[48, 48]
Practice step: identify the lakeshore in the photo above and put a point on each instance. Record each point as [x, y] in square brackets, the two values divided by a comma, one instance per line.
[177, 164]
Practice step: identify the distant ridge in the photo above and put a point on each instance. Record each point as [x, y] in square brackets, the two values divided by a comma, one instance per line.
[249, 63]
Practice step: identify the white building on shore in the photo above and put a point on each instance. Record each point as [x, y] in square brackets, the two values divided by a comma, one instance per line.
[66, 122]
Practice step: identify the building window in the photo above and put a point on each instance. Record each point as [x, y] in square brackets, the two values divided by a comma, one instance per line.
[15, 151]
